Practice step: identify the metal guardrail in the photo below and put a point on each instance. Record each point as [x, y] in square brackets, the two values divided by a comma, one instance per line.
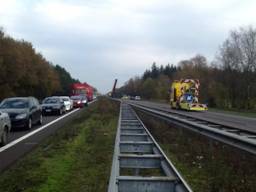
[192, 117]
[235, 137]
[139, 164]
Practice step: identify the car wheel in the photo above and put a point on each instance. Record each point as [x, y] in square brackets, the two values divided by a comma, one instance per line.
[40, 121]
[4, 138]
[29, 123]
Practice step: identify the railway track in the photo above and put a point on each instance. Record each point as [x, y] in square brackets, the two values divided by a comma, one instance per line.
[234, 136]
[139, 164]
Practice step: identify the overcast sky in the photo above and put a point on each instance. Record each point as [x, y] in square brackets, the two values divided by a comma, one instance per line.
[100, 40]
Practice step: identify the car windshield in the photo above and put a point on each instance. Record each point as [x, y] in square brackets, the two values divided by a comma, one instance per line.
[76, 97]
[14, 104]
[51, 100]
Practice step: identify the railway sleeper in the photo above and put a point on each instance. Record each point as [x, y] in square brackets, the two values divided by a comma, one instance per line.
[133, 137]
[145, 161]
[146, 184]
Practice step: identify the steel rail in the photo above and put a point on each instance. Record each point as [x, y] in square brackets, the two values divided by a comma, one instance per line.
[139, 164]
[233, 136]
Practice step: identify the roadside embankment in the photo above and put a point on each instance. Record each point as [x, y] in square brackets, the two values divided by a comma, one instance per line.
[206, 165]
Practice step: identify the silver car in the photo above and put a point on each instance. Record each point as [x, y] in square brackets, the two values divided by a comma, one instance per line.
[67, 102]
[5, 127]
[53, 105]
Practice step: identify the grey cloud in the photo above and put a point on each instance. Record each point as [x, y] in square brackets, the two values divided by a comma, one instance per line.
[124, 44]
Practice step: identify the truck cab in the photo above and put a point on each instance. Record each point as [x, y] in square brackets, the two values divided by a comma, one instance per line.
[184, 95]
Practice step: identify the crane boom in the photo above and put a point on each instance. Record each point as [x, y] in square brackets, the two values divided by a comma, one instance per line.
[114, 89]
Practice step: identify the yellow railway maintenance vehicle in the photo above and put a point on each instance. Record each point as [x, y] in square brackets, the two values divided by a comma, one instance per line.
[184, 95]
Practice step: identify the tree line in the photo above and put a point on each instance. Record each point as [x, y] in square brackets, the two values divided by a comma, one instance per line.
[25, 72]
[229, 81]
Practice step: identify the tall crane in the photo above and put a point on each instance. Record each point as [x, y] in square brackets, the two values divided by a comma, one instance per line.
[114, 89]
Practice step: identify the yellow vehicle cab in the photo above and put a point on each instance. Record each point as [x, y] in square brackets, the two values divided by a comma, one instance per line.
[184, 95]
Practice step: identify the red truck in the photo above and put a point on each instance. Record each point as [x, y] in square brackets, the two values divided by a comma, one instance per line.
[82, 89]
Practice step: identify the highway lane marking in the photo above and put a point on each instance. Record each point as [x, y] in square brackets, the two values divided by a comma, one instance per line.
[35, 131]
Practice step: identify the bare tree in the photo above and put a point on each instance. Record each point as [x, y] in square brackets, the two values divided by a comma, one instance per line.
[237, 57]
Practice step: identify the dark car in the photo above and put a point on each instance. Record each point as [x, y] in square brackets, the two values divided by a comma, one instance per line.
[53, 105]
[79, 101]
[23, 111]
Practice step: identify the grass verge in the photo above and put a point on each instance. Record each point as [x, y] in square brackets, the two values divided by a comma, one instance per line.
[206, 165]
[77, 157]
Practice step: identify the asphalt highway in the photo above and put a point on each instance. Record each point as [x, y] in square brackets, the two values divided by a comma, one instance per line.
[245, 123]
[23, 141]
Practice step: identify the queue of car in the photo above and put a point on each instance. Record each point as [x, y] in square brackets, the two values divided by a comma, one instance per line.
[24, 112]
[127, 97]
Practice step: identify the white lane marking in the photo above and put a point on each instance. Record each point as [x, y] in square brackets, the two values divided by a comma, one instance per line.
[35, 131]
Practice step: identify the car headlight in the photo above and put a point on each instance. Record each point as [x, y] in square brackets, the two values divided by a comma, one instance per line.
[21, 116]
[78, 102]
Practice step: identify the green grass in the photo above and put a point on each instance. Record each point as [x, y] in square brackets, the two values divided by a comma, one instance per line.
[78, 157]
[207, 165]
